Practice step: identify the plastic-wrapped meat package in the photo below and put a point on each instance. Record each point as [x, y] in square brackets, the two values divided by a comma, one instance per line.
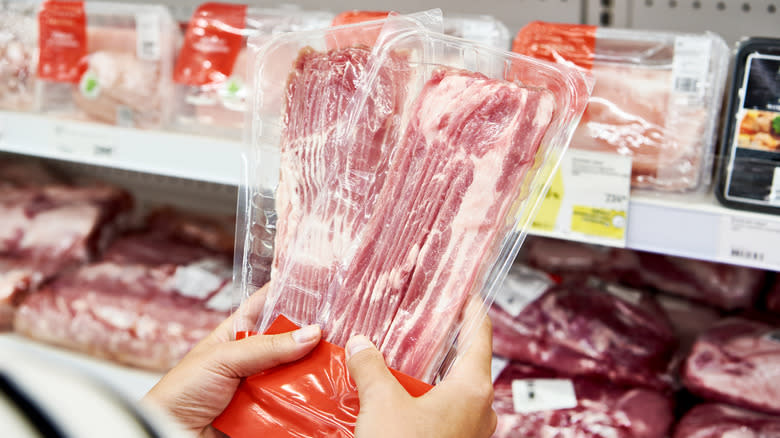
[479, 28]
[773, 297]
[657, 96]
[618, 334]
[106, 62]
[717, 421]
[534, 402]
[18, 55]
[210, 72]
[737, 361]
[562, 257]
[725, 286]
[47, 229]
[149, 300]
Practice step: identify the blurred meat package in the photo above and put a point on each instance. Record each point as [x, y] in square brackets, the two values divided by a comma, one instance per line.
[48, 227]
[106, 62]
[148, 301]
[601, 331]
[773, 297]
[737, 361]
[720, 421]
[18, 55]
[533, 402]
[657, 96]
[211, 70]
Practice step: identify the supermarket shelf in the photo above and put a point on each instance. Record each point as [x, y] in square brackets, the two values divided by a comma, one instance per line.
[129, 382]
[696, 226]
[162, 153]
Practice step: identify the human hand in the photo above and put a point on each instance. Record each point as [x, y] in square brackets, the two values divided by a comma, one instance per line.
[199, 388]
[459, 406]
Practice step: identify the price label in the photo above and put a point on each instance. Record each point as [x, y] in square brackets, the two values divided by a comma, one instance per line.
[521, 287]
[750, 240]
[83, 142]
[691, 64]
[534, 395]
[590, 197]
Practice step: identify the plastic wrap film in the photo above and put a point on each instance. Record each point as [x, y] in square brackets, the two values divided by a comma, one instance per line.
[657, 97]
[721, 285]
[18, 55]
[737, 361]
[717, 420]
[598, 409]
[48, 226]
[598, 330]
[106, 62]
[152, 296]
[482, 29]
[374, 216]
[212, 91]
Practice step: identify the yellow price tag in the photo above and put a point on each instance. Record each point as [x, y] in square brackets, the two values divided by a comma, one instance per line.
[547, 215]
[598, 222]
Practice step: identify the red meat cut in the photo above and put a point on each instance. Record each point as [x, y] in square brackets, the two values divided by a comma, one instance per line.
[717, 421]
[603, 410]
[579, 330]
[773, 297]
[737, 361]
[433, 225]
[315, 232]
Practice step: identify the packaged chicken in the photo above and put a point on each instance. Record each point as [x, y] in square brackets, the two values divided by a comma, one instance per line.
[372, 172]
[748, 177]
[483, 29]
[210, 72]
[657, 96]
[106, 62]
[18, 55]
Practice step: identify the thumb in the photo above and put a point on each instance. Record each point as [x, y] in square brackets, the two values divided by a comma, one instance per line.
[368, 369]
[258, 353]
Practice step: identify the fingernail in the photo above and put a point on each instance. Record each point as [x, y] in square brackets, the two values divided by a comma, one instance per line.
[356, 344]
[306, 334]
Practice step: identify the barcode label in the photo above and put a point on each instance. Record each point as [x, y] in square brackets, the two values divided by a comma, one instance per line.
[747, 254]
[148, 37]
[534, 395]
[521, 287]
[691, 64]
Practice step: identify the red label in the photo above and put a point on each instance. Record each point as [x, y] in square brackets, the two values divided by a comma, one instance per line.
[555, 42]
[62, 36]
[211, 45]
[357, 36]
[313, 396]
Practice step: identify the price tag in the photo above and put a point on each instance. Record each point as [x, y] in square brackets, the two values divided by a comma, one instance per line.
[588, 200]
[83, 142]
[691, 64]
[521, 287]
[533, 395]
[750, 240]
[497, 366]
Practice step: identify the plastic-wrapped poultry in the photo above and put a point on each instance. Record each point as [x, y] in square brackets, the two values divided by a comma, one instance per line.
[18, 55]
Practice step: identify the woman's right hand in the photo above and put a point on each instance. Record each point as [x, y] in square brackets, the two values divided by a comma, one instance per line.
[459, 406]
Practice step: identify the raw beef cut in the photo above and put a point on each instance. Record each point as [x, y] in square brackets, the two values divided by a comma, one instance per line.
[603, 410]
[433, 224]
[579, 330]
[47, 229]
[737, 361]
[565, 257]
[689, 319]
[773, 298]
[314, 153]
[718, 421]
[135, 314]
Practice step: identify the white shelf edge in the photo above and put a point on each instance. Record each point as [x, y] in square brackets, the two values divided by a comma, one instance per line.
[166, 153]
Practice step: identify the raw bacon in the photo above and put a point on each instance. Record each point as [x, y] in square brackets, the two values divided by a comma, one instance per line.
[718, 421]
[603, 410]
[737, 361]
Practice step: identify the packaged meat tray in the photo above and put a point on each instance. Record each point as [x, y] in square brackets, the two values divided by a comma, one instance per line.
[372, 173]
[657, 96]
[736, 362]
[717, 421]
[750, 142]
[597, 330]
[18, 55]
[533, 402]
[210, 72]
[106, 62]
[482, 29]
[49, 227]
[146, 303]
